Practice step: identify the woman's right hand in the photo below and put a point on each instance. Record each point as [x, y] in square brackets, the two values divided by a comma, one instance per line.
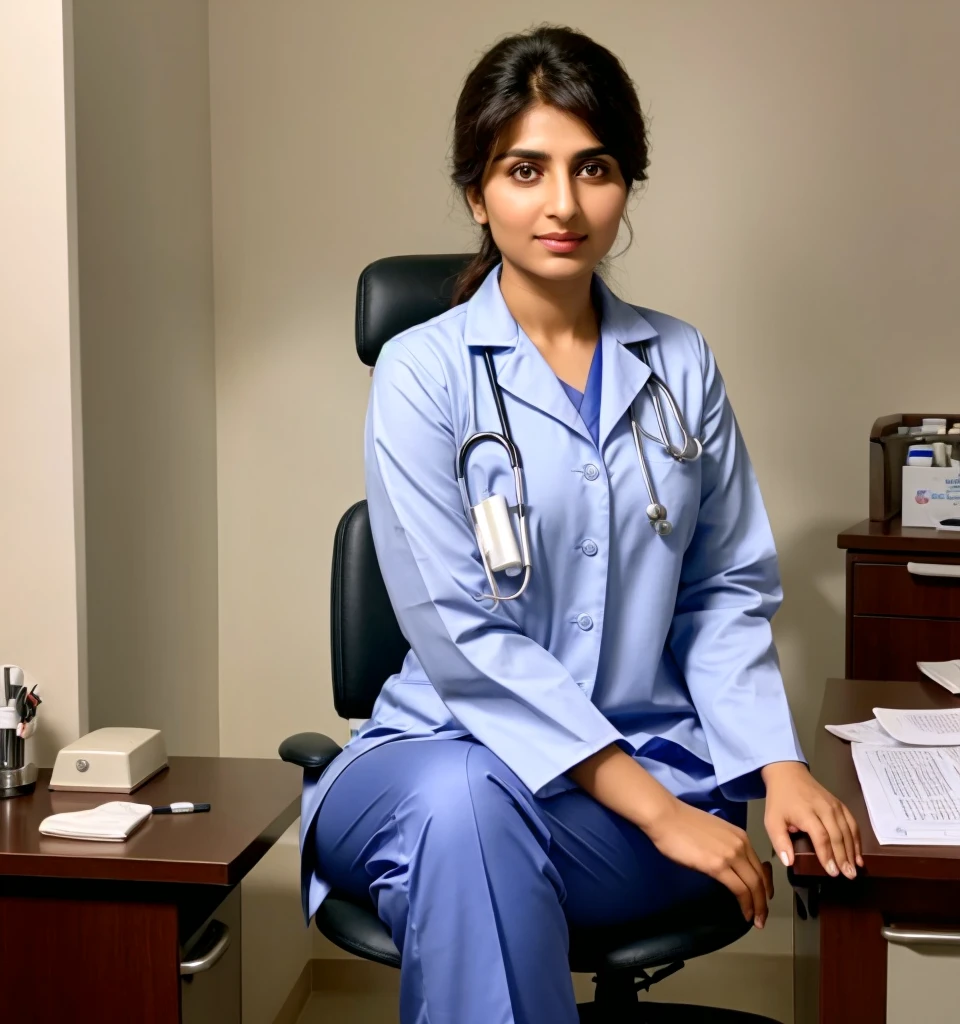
[685, 834]
[708, 843]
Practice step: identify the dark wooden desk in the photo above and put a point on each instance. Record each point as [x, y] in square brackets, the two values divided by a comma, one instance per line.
[895, 617]
[840, 966]
[98, 928]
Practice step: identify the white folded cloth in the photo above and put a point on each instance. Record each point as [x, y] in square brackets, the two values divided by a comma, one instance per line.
[111, 822]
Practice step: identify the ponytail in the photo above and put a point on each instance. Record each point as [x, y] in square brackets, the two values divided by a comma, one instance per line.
[471, 277]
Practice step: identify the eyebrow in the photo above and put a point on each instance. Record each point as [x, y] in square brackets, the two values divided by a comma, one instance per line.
[538, 154]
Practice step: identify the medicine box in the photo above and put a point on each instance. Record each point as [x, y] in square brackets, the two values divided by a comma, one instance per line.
[888, 456]
[930, 495]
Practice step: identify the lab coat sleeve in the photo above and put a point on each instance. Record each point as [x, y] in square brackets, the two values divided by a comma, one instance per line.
[511, 693]
[729, 591]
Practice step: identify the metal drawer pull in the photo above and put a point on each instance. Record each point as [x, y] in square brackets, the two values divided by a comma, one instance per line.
[920, 936]
[215, 941]
[932, 569]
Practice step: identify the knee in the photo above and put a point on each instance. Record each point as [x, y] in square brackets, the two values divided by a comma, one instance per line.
[466, 794]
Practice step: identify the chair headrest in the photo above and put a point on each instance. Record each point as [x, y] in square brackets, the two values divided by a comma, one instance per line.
[399, 292]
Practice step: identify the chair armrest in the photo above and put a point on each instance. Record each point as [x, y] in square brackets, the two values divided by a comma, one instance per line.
[309, 750]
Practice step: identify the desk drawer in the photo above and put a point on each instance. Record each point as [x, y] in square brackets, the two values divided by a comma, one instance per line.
[890, 648]
[214, 994]
[892, 588]
[921, 982]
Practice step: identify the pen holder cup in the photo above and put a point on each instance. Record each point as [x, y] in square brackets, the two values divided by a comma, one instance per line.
[16, 777]
[888, 456]
[13, 750]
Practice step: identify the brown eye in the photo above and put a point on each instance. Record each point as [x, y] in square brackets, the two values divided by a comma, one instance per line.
[517, 174]
[597, 167]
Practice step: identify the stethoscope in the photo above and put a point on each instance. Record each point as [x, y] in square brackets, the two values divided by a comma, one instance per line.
[490, 518]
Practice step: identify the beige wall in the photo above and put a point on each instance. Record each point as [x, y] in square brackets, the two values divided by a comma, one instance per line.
[328, 146]
[146, 301]
[41, 511]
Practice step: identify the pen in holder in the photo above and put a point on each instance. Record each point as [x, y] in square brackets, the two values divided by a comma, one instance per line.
[18, 708]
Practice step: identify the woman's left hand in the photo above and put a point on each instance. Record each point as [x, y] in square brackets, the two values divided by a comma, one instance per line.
[796, 802]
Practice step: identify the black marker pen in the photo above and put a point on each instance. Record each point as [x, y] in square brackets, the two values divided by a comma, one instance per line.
[181, 807]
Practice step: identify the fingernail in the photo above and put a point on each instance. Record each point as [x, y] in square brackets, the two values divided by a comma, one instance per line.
[849, 870]
[785, 858]
[760, 921]
[832, 868]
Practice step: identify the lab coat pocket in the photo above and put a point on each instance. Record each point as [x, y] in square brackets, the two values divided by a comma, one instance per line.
[655, 450]
[656, 453]
[678, 487]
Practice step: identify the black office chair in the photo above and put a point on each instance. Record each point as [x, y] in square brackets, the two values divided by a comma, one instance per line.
[367, 647]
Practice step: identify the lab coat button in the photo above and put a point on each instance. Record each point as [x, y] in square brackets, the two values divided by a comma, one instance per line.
[590, 471]
[584, 622]
[589, 547]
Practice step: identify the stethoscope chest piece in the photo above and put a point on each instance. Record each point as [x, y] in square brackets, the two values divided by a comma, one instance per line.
[657, 514]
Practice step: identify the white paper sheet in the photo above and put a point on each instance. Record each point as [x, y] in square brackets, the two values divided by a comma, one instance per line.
[912, 793]
[864, 732]
[937, 728]
[946, 673]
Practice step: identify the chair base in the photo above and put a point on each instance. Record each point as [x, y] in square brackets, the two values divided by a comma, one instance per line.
[665, 1013]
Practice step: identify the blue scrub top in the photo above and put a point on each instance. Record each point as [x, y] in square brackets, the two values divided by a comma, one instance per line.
[587, 402]
[662, 645]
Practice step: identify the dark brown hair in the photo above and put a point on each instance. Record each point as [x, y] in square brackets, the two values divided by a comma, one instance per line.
[547, 64]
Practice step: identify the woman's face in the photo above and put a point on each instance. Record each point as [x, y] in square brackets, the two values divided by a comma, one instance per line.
[549, 175]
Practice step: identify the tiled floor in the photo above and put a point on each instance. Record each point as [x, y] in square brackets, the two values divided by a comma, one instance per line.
[360, 993]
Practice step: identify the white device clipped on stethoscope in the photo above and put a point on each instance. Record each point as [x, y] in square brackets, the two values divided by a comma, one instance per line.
[491, 518]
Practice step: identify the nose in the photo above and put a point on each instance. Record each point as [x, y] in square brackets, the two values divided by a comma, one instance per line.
[561, 200]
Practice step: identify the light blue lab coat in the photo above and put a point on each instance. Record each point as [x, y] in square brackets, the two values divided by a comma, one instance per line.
[662, 645]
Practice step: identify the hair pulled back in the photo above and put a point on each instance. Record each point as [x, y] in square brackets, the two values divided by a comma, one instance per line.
[548, 64]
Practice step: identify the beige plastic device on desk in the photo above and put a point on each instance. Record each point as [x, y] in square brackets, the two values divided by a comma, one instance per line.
[111, 760]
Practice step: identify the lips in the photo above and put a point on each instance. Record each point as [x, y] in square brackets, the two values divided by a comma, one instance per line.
[561, 242]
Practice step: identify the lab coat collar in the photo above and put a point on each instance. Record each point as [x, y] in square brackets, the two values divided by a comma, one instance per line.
[490, 324]
[524, 372]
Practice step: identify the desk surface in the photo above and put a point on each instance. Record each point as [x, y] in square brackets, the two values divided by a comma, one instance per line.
[253, 801]
[894, 536]
[853, 700]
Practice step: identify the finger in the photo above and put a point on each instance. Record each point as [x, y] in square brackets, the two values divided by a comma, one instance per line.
[753, 879]
[734, 883]
[855, 832]
[758, 867]
[841, 857]
[820, 838]
[768, 877]
[782, 845]
[850, 850]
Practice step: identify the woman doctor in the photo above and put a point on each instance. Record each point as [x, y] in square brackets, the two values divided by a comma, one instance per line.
[581, 754]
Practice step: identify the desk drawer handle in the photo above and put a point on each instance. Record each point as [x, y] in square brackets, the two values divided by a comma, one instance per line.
[217, 937]
[932, 569]
[920, 936]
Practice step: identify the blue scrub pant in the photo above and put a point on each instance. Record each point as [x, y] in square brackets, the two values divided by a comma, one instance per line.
[477, 879]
